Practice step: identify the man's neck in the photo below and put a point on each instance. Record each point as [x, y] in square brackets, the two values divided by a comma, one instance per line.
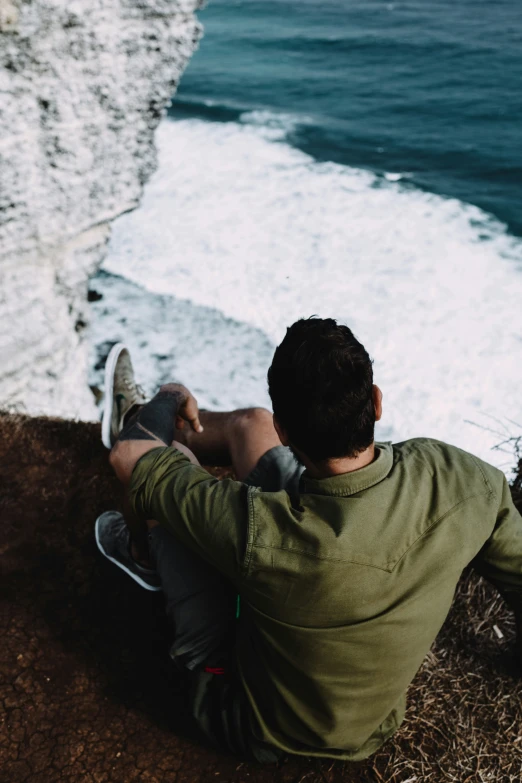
[335, 467]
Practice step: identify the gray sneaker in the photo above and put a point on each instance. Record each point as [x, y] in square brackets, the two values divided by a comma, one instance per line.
[121, 393]
[113, 539]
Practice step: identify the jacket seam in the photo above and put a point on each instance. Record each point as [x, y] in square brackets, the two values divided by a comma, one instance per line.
[388, 569]
[436, 522]
[490, 489]
[321, 557]
[250, 533]
[345, 492]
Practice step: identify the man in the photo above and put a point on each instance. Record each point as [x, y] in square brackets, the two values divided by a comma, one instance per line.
[345, 572]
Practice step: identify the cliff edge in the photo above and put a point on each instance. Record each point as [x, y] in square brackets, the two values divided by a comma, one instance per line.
[83, 86]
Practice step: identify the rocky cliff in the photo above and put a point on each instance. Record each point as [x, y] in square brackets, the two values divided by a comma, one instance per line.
[83, 85]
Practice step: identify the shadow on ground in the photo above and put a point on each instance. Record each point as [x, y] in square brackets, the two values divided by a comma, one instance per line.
[88, 695]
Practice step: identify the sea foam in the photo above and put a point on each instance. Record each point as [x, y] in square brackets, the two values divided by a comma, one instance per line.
[238, 220]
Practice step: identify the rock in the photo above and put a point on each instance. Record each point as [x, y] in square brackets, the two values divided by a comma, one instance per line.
[83, 86]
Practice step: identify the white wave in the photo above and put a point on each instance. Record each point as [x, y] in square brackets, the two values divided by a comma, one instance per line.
[274, 125]
[224, 361]
[432, 286]
[393, 176]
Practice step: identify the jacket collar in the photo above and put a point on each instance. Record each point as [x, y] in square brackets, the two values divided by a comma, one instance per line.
[349, 483]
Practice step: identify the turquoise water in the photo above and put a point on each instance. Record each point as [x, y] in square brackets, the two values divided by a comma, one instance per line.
[359, 160]
[430, 88]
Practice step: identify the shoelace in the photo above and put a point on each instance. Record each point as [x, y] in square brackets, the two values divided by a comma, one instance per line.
[132, 386]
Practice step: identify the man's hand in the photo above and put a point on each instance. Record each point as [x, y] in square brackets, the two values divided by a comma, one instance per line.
[188, 410]
[154, 426]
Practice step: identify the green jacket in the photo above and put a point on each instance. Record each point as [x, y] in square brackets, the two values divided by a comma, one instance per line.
[344, 592]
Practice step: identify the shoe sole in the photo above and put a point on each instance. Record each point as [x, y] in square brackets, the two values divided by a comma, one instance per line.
[110, 366]
[120, 565]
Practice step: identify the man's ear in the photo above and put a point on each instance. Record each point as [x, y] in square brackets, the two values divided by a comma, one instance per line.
[377, 402]
[283, 437]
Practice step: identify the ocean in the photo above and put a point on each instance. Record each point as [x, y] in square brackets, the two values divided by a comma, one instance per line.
[360, 160]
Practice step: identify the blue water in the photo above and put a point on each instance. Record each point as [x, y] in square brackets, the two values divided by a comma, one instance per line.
[359, 160]
[431, 88]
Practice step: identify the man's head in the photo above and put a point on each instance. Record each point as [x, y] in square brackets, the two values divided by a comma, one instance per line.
[321, 386]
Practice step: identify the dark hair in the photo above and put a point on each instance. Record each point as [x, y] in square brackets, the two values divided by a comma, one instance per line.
[321, 384]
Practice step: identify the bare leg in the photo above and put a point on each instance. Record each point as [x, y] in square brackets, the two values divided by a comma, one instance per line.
[239, 438]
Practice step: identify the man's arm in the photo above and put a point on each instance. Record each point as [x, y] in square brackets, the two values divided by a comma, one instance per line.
[208, 515]
[500, 559]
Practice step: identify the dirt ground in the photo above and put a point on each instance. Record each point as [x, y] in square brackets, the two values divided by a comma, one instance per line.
[86, 689]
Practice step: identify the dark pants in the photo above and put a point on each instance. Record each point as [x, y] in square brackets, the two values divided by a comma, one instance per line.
[202, 606]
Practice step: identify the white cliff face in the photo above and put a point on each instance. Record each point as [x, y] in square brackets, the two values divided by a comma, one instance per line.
[83, 84]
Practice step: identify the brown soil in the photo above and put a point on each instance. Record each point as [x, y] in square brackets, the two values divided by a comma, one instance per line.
[87, 692]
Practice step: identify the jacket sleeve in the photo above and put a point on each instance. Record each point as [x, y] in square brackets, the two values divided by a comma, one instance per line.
[208, 515]
[500, 559]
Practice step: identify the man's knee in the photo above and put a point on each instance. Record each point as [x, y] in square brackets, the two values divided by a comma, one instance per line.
[251, 420]
[251, 434]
